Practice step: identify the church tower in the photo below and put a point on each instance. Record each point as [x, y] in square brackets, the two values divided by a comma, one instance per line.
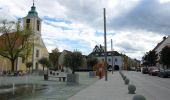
[33, 22]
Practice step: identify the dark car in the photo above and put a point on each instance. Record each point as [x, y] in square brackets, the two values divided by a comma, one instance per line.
[153, 71]
[109, 69]
[164, 71]
[145, 70]
[138, 69]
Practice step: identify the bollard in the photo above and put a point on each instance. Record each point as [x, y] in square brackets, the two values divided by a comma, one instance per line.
[138, 97]
[126, 81]
[131, 88]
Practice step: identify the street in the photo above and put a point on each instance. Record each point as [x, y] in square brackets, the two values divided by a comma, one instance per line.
[152, 87]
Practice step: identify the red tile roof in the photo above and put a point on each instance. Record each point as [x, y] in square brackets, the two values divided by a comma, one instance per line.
[15, 40]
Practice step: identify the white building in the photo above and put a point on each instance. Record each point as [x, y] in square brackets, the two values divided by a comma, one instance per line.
[165, 42]
[114, 59]
[162, 44]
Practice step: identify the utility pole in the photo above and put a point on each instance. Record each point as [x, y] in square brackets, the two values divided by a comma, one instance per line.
[105, 45]
[112, 55]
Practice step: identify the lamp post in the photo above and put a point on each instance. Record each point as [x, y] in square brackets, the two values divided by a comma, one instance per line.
[105, 45]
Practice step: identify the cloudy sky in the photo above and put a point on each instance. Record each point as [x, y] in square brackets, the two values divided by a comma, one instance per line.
[135, 26]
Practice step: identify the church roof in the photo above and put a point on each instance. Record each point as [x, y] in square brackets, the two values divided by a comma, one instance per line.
[32, 12]
[15, 40]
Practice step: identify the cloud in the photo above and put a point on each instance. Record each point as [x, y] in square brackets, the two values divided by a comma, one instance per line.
[4, 14]
[135, 26]
[149, 15]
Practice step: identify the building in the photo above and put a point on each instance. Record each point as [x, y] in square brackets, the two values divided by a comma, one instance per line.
[38, 49]
[165, 42]
[114, 59]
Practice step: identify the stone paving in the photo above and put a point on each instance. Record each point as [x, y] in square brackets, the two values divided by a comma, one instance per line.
[113, 89]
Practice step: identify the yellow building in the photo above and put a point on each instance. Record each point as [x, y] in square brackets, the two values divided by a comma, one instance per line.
[38, 49]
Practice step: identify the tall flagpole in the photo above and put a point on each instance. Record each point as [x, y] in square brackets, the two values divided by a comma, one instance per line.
[105, 45]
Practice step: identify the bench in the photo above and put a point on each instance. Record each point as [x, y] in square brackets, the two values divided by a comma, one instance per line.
[60, 75]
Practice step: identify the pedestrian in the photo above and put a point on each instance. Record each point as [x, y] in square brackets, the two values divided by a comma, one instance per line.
[100, 72]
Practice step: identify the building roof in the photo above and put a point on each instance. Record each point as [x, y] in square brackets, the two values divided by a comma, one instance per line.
[32, 12]
[15, 40]
[102, 54]
[157, 46]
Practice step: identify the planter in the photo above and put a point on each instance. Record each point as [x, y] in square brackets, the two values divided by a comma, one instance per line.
[72, 79]
[45, 76]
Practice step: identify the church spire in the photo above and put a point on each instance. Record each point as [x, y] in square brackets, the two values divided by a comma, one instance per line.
[33, 2]
[32, 12]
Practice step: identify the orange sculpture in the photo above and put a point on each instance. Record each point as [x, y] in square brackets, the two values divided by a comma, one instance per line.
[99, 68]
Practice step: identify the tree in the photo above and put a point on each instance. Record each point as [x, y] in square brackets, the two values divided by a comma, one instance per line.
[44, 61]
[150, 58]
[29, 65]
[73, 60]
[145, 59]
[153, 57]
[92, 61]
[165, 56]
[54, 56]
[14, 41]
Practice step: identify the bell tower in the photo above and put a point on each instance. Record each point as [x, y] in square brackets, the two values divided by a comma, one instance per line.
[32, 21]
[38, 49]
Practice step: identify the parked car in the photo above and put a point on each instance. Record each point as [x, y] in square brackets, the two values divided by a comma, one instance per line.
[145, 70]
[153, 71]
[109, 69]
[138, 69]
[164, 71]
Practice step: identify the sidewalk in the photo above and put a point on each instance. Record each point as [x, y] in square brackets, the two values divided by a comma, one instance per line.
[113, 89]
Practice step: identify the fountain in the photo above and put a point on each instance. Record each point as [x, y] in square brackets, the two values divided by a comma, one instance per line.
[13, 88]
[33, 89]
[26, 78]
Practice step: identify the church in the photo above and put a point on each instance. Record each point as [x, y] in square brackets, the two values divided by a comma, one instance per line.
[38, 49]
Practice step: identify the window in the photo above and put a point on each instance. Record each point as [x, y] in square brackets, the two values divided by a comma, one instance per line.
[109, 60]
[38, 25]
[109, 54]
[28, 23]
[36, 66]
[103, 54]
[23, 59]
[115, 59]
[37, 53]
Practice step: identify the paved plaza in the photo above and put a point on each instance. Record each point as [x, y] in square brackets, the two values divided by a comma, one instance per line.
[113, 89]
[152, 87]
[54, 90]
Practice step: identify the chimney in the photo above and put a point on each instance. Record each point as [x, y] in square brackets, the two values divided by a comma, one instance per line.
[164, 38]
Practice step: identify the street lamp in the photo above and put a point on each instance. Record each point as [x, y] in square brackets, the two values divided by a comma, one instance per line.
[104, 14]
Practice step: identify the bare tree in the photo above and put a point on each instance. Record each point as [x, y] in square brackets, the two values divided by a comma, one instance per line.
[14, 42]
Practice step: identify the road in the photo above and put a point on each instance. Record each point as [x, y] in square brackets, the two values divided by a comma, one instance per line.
[152, 87]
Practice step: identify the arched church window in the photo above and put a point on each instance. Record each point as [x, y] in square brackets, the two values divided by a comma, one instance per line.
[38, 25]
[37, 53]
[28, 23]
